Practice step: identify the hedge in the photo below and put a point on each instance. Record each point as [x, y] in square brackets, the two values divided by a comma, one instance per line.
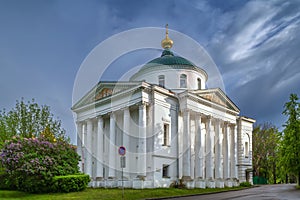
[70, 183]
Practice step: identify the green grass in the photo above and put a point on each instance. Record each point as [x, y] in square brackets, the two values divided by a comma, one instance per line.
[109, 194]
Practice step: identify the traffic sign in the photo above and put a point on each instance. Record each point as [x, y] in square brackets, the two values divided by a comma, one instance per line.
[122, 150]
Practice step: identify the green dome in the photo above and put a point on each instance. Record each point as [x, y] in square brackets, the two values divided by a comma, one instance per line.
[168, 58]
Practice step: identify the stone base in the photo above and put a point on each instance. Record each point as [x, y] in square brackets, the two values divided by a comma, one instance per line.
[219, 183]
[148, 184]
[228, 183]
[200, 184]
[111, 183]
[126, 184]
[210, 184]
[138, 184]
[235, 182]
[189, 184]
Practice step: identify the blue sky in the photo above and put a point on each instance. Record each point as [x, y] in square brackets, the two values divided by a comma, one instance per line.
[255, 45]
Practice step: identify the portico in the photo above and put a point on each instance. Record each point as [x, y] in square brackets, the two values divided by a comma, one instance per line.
[174, 129]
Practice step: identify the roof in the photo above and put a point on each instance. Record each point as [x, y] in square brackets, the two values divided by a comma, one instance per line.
[169, 60]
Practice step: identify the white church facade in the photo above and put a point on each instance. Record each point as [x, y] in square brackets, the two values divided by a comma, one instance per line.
[174, 129]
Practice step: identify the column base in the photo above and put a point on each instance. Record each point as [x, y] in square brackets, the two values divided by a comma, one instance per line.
[228, 183]
[210, 183]
[200, 183]
[126, 184]
[140, 184]
[111, 183]
[235, 182]
[188, 182]
[220, 183]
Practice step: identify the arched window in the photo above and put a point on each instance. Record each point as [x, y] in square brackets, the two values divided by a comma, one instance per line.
[199, 83]
[161, 80]
[182, 81]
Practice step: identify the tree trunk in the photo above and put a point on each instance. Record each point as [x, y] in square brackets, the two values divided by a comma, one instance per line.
[299, 178]
[274, 173]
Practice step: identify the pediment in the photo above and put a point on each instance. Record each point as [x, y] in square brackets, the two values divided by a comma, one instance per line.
[217, 96]
[102, 91]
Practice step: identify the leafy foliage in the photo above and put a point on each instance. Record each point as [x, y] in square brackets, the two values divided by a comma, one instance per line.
[70, 183]
[28, 119]
[245, 184]
[290, 143]
[265, 151]
[31, 163]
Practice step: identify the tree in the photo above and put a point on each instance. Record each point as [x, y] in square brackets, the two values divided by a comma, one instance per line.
[265, 151]
[290, 143]
[31, 163]
[28, 119]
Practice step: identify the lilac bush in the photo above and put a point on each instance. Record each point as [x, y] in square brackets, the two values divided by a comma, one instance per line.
[31, 163]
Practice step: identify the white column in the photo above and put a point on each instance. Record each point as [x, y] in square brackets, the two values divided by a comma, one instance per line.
[186, 145]
[198, 149]
[126, 130]
[232, 152]
[208, 148]
[217, 150]
[88, 157]
[112, 147]
[226, 157]
[99, 146]
[79, 144]
[142, 141]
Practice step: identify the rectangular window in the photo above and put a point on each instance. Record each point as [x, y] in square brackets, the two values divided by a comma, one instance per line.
[166, 133]
[182, 81]
[161, 80]
[165, 171]
[246, 149]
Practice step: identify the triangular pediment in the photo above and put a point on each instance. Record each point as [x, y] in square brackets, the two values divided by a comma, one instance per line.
[104, 90]
[216, 96]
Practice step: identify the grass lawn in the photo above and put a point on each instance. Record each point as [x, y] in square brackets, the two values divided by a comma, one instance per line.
[100, 193]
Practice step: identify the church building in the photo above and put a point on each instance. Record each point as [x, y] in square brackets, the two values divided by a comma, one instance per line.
[173, 128]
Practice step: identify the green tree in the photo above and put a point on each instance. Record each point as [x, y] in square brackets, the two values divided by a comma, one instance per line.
[290, 143]
[28, 119]
[265, 151]
[31, 163]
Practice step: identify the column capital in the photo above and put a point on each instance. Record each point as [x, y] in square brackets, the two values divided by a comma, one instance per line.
[89, 120]
[217, 120]
[99, 117]
[209, 117]
[79, 122]
[142, 105]
[186, 110]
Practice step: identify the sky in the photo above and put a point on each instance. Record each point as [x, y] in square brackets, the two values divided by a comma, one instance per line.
[254, 44]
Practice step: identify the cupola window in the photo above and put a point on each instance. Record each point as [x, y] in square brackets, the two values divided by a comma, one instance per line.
[182, 81]
[161, 80]
[199, 83]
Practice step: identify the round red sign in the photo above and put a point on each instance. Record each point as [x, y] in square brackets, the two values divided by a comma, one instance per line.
[122, 150]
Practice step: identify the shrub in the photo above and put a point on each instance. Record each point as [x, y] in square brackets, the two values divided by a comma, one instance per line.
[31, 163]
[245, 184]
[70, 183]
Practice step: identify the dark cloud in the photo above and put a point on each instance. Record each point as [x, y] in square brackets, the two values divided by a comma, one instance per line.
[255, 44]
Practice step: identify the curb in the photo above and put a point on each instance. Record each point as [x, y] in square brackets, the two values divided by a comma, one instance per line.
[191, 195]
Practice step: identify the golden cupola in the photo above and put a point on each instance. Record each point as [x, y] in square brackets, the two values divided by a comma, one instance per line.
[167, 43]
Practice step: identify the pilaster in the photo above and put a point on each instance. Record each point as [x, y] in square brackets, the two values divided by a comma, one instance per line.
[142, 141]
[112, 147]
[186, 174]
[99, 146]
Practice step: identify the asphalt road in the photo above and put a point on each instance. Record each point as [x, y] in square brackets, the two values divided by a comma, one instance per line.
[266, 192]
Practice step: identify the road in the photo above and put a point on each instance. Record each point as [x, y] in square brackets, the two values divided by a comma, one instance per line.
[266, 192]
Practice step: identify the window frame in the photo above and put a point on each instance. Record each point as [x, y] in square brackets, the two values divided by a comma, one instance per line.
[166, 134]
[165, 171]
[183, 81]
[161, 78]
